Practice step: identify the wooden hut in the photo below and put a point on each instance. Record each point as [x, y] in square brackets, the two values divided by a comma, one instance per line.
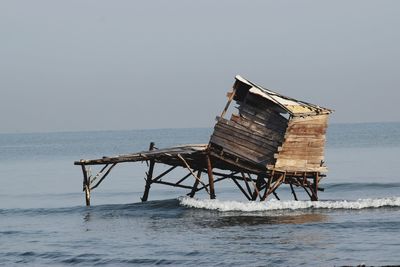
[271, 140]
[275, 133]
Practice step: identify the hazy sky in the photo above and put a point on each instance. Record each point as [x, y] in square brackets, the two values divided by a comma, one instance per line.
[94, 65]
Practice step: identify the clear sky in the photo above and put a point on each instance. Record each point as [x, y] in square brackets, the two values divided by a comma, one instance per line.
[110, 65]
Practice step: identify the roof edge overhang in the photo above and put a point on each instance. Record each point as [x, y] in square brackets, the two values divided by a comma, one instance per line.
[292, 106]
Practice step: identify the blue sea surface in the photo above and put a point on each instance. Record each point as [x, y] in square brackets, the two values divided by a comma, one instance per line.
[43, 220]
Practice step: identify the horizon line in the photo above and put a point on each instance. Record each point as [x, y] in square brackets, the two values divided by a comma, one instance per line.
[166, 128]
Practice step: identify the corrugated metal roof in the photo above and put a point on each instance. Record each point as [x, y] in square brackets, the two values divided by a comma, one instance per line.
[291, 105]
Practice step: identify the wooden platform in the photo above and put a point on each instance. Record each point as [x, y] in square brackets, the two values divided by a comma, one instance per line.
[169, 156]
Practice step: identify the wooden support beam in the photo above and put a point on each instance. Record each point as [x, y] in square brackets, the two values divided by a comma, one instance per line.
[314, 188]
[164, 173]
[308, 193]
[184, 178]
[247, 183]
[192, 173]
[196, 184]
[104, 176]
[231, 95]
[241, 188]
[260, 182]
[268, 185]
[230, 175]
[210, 177]
[293, 192]
[86, 185]
[149, 176]
[215, 181]
[224, 174]
[98, 174]
[172, 184]
[276, 184]
[276, 195]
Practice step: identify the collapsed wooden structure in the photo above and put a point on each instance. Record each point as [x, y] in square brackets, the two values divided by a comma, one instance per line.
[271, 140]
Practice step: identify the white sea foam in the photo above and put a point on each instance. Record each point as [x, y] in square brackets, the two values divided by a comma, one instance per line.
[288, 205]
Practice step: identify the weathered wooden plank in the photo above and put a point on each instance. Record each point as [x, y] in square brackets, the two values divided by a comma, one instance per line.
[300, 147]
[306, 131]
[249, 143]
[258, 128]
[241, 151]
[291, 162]
[310, 144]
[235, 148]
[263, 114]
[288, 168]
[244, 143]
[262, 103]
[312, 136]
[319, 119]
[257, 140]
[297, 162]
[304, 139]
[270, 123]
[313, 158]
[304, 151]
[308, 125]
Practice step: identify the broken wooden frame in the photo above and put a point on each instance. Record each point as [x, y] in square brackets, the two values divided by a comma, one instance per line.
[254, 184]
[272, 140]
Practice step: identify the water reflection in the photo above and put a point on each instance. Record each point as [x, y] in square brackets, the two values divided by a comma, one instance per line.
[251, 220]
[87, 216]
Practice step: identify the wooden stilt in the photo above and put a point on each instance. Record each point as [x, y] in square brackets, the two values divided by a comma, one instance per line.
[276, 184]
[206, 186]
[149, 177]
[210, 177]
[86, 185]
[268, 185]
[260, 181]
[293, 192]
[276, 195]
[315, 187]
[192, 173]
[308, 193]
[241, 188]
[196, 184]
[247, 183]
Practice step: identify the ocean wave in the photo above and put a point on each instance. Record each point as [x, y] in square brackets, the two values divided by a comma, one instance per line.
[288, 205]
[360, 186]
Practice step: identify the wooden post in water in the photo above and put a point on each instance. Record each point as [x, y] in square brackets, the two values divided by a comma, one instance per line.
[268, 185]
[210, 177]
[196, 184]
[86, 185]
[293, 192]
[149, 176]
[259, 182]
[315, 187]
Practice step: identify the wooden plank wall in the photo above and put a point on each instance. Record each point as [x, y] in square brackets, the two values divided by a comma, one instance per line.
[303, 145]
[254, 134]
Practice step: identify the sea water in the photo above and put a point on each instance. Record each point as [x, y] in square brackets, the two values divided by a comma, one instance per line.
[43, 220]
